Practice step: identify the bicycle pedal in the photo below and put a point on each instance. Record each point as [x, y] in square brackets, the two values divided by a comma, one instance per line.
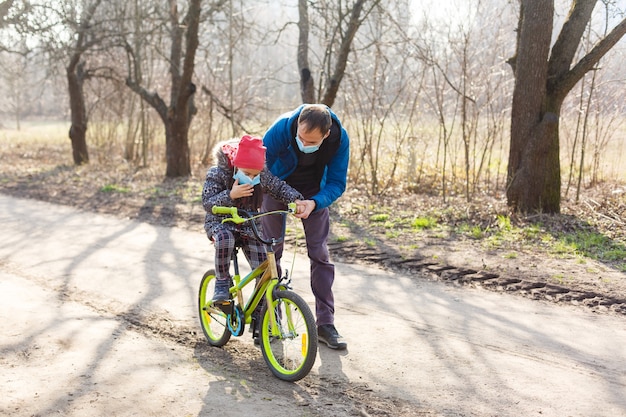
[225, 305]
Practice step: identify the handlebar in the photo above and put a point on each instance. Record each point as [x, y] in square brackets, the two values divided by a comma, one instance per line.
[228, 210]
[239, 216]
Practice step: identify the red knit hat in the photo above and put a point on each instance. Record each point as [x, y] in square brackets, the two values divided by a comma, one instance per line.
[250, 153]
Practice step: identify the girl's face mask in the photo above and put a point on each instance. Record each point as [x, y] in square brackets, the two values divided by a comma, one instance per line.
[244, 179]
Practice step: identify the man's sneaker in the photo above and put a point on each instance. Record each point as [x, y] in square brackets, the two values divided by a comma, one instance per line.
[221, 290]
[327, 333]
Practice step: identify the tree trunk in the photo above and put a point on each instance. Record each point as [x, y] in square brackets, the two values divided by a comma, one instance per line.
[182, 107]
[78, 128]
[534, 129]
[307, 84]
[542, 81]
[76, 76]
[177, 135]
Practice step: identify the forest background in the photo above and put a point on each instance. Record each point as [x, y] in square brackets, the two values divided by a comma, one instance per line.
[424, 89]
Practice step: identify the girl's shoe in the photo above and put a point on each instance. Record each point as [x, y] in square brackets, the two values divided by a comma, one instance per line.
[221, 290]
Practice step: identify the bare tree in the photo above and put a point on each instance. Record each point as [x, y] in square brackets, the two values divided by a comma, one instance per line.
[383, 90]
[15, 58]
[44, 23]
[464, 90]
[595, 116]
[543, 78]
[15, 14]
[340, 25]
[176, 116]
[141, 128]
[14, 74]
[76, 76]
[229, 87]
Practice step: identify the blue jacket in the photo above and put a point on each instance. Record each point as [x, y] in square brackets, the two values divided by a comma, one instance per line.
[282, 159]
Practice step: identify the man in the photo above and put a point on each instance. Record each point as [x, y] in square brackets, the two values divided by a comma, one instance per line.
[310, 150]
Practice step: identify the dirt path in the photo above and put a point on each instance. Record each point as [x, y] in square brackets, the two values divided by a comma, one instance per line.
[118, 334]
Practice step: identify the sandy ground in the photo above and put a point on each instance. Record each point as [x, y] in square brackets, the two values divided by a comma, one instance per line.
[98, 318]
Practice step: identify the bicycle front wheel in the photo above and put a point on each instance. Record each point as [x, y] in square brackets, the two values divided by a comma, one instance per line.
[213, 320]
[290, 349]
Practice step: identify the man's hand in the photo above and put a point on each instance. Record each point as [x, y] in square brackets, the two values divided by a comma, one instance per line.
[304, 208]
[239, 191]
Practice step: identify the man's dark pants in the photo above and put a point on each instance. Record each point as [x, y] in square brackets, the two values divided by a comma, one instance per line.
[316, 230]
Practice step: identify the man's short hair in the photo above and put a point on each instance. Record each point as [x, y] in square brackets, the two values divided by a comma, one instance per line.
[315, 116]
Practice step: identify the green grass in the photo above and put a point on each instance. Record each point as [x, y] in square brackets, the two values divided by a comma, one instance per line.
[503, 222]
[190, 192]
[379, 217]
[582, 244]
[424, 223]
[509, 235]
[114, 188]
[193, 193]
[392, 234]
[476, 232]
[592, 245]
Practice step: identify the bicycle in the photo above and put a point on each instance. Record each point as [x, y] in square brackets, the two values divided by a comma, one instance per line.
[286, 326]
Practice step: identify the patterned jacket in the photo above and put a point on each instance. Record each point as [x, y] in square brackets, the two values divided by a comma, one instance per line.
[216, 192]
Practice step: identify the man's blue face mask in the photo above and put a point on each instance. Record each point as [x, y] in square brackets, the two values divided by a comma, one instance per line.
[244, 179]
[306, 149]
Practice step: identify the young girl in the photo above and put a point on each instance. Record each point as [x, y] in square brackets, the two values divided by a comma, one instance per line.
[238, 179]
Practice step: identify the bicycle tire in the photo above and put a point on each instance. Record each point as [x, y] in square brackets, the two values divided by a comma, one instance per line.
[290, 356]
[214, 321]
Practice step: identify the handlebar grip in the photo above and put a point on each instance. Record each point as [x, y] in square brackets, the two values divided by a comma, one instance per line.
[291, 207]
[224, 210]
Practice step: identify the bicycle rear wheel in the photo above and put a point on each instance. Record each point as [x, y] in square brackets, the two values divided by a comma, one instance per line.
[213, 320]
[290, 354]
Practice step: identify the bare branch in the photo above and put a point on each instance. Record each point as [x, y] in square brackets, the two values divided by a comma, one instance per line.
[566, 45]
[569, 79]
[223, 109]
